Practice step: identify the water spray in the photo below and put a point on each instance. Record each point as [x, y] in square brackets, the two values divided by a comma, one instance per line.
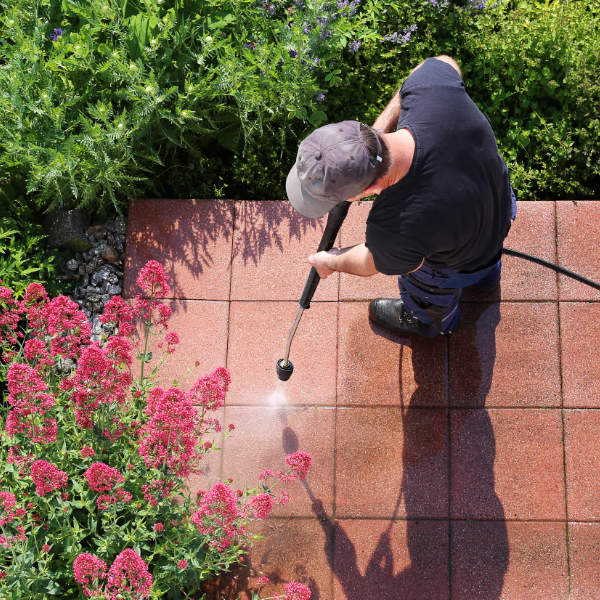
[336, 217]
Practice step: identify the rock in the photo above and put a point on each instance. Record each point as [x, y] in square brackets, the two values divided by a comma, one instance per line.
[65, 229]
[72, 265]
[109, 254]
[114, 290]
[97, 231]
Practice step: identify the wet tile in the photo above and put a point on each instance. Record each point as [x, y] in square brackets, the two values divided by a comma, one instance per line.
[582, 430]
[258, 338]
[505, 355]
[292, 550]
[191, 239]
[270, 246]
[578, 231]
[383, 450]
[376, 370]
[532, 232]
[506, 464]
[200, 324]
[580, 353]
[389, 560]
[584, 550]
[264, 436]
[509, 561]
[353, 287]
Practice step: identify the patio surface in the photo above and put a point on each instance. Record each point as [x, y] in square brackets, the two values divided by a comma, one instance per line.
[459, 468]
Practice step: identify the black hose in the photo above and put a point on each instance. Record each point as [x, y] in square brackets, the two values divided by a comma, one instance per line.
[550, 265]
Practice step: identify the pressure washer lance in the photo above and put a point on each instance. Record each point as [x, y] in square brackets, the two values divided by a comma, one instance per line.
[334, 221]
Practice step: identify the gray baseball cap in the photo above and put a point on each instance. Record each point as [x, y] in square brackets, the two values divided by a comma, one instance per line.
[332, 165]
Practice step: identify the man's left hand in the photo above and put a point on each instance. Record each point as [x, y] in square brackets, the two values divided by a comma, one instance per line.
[321, 261]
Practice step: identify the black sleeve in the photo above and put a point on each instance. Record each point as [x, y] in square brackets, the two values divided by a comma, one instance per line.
[393, 253]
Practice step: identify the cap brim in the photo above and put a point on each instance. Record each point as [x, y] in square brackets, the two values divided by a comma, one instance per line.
[308, 206]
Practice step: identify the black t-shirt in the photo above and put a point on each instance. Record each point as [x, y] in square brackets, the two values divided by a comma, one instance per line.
[453, 207]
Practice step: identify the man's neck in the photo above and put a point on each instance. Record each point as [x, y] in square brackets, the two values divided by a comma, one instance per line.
[402, 148]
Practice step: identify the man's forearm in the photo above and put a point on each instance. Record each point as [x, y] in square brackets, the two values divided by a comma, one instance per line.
[356, 260]
[388, 119]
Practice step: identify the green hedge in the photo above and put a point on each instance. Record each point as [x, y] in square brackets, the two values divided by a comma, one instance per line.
[192, 98]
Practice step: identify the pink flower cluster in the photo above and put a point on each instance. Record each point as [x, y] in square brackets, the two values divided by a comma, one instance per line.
[30, 404]
[170, 436]
[8, 513]
[296, 591]
[219, 516]
[209, 391]
[262, 505]
[47, 477]
[97, 380]
[161, 487]
[299, 463]
[103, 478]
[10, 315]
[128, 576]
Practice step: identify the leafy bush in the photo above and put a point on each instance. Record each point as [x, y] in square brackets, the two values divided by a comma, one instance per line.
[93, 463]
[105, 101]
[23, 258]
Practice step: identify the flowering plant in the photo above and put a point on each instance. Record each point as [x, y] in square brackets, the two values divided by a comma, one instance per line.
[94, 500]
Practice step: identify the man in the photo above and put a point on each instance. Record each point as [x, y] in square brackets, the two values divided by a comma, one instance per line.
[444, 202]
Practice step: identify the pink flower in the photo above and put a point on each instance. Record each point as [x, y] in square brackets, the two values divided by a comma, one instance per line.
[67, 325]
[47, 477]
[299, 463]
[117, 311]
[296, 591]
[129, 575]
[152, 280]
[262, 580]
[209, 391]
[119, 349]
[284, 499]
[89, 571]
[218, 516]
[262, 505]
[87, 451]
[182, 564]
[102, 478]
[159, 486]
[170, 436]
[172, 340]
[45, 548]
[158, 527]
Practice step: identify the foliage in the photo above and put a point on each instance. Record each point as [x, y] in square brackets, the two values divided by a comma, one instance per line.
[23, 258]
[94, 498]
[102, 101]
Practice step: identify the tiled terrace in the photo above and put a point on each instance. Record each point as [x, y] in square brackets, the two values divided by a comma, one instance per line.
[463, 468]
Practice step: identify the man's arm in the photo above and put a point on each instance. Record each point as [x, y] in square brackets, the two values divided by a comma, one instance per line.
[356, 260]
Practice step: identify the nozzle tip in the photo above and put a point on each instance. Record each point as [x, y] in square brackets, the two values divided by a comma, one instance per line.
[284, 369]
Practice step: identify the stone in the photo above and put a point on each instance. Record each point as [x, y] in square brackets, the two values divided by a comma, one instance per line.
[72, 265]
[109, 254]
[98, 231]
[65, 228]
[115, 290]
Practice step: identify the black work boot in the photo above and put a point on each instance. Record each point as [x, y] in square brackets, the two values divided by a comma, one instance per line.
[390, 314]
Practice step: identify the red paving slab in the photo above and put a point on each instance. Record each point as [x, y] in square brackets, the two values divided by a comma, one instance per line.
[380, 451]
[582, 431]
[378, 371]
[353, 287]
[500, 343]
[388, 560]
[494, 560]
[483, 507]
[507, 463]
[584, 550]
[192, 240]
[201, 325]
[270, 246]
[258, 336]
[580, 331]
[578, 231]
[263, 437]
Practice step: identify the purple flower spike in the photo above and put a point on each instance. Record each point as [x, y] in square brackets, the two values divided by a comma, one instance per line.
[56, 34]
[320, 97]
[354, 46]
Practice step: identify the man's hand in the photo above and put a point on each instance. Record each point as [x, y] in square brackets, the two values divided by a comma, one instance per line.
[321, 262]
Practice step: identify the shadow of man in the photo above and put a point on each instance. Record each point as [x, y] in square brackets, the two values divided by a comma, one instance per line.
[476, 553]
